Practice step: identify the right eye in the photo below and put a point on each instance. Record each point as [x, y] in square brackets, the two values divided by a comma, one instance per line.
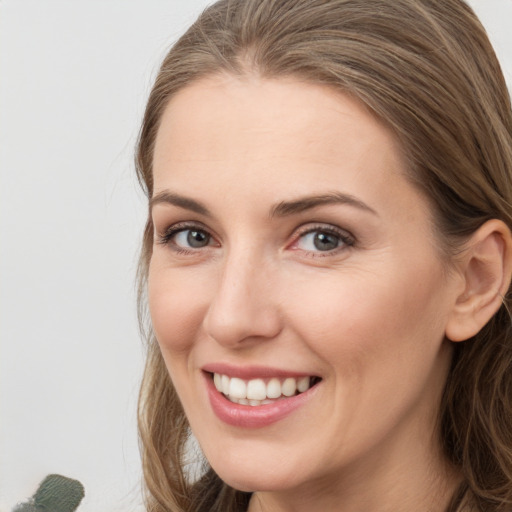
[192, 238]
[183, 238]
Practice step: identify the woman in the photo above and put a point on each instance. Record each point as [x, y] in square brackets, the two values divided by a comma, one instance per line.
[326, 259]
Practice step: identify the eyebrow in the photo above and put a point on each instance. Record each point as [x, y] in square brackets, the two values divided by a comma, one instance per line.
[282, 209]
[181, 201]
[303, 204]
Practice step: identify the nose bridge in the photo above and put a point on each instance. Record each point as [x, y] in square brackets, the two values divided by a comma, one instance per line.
[242, 307]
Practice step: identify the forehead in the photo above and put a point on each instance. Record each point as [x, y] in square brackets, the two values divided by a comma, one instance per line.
[221, 105]
[271, 135]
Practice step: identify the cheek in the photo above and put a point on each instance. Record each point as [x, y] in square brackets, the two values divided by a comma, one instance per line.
[177, 304]
[382, 342]
[362, 317]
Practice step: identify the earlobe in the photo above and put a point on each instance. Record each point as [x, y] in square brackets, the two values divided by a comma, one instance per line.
[485, 267]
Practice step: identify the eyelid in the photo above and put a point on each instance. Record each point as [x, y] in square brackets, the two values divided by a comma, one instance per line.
[346, 238]
[165, 237]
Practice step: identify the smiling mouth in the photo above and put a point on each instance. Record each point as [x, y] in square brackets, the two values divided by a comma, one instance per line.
[255, 392]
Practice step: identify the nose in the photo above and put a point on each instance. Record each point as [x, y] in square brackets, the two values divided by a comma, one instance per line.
[243, 309]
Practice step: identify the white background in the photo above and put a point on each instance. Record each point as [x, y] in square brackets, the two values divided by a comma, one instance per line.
[74, 76]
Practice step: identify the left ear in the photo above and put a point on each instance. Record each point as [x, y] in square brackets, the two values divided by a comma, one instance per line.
[485, 266]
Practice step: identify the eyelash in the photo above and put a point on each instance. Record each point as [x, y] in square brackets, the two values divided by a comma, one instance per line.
[346, 240]
[167, 237]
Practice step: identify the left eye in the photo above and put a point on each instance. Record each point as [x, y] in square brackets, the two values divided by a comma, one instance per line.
[319, 241]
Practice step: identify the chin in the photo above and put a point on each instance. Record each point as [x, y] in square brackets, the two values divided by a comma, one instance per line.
[258, 469]
[254, 479]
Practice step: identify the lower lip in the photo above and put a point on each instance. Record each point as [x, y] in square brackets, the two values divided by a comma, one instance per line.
[258, 416]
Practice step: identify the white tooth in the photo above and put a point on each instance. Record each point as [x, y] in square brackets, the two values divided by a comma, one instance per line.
[254, 402]
[237, 388]
[256, 389]
[217, 380]
[303, 384]
[225, 384]
[273, 388]
[243, 401]
[289, 387]
[264, 402]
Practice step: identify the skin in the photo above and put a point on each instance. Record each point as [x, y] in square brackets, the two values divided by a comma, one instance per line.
[368, 317]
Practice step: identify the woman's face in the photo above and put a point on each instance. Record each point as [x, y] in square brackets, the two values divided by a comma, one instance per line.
[292, 257]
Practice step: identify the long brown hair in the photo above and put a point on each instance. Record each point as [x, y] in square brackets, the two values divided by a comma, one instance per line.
[427, 69]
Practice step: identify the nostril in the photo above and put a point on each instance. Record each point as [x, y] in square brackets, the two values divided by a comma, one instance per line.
[241, 311]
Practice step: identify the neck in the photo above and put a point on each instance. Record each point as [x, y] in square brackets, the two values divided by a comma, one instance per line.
[402, 495]
[409, 473]
[404, 470]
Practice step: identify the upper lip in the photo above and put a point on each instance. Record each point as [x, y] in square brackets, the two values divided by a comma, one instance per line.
[252, 371]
